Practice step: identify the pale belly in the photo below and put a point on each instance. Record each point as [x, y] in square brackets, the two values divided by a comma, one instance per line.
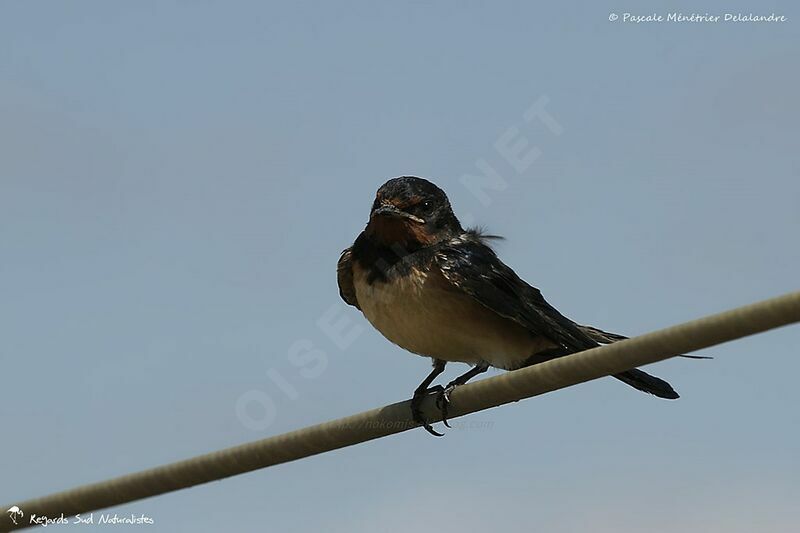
[419, 313]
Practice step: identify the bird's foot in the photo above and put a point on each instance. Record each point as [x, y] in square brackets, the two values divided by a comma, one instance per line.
[416, 411]
[443, 401]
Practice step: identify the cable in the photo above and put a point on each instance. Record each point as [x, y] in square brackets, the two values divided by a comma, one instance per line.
[381, 422]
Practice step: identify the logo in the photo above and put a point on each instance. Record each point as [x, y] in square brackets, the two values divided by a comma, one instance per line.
[15, 512]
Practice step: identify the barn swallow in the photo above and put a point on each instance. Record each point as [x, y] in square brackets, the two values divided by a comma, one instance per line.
[440, 291]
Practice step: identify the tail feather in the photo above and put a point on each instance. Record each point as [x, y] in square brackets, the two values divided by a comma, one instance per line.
[604, 337]
[636, 378]
[644, 382]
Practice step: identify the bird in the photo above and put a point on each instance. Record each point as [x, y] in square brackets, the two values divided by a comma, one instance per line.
[440, 291]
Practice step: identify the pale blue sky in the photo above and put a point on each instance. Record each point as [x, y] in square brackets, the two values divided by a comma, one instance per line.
[177, 180]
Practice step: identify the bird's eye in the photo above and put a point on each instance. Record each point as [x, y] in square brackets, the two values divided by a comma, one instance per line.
[421, 208]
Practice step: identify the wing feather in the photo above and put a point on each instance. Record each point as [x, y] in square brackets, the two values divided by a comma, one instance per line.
[472, 267]
[344, 276]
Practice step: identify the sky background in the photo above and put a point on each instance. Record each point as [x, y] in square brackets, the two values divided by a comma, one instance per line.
[177, 180]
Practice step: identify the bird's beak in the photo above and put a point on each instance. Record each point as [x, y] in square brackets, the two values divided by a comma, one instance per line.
[389, 210]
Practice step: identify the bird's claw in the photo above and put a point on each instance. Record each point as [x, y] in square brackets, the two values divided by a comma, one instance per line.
[416, 412]
[443, 400]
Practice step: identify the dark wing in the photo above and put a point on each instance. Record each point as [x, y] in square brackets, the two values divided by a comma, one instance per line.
[603, 337]
[471, 266]
[344, 276]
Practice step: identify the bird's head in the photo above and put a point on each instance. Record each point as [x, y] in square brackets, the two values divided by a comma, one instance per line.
[411, 212]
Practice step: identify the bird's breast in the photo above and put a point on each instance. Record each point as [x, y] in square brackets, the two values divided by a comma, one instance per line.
[424, 314]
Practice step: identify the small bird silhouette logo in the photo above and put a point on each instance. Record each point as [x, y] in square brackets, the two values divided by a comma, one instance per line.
[440, 291]
[15, 512]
